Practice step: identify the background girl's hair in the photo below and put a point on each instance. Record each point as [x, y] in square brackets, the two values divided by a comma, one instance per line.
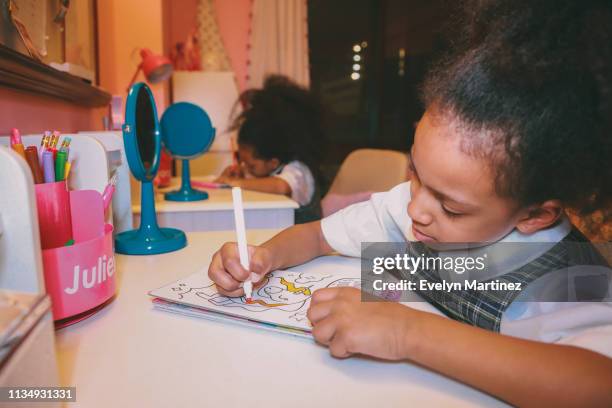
[534, 77]
[283, 120]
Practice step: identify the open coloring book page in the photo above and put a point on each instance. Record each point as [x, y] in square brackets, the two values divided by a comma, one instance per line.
[283, 298]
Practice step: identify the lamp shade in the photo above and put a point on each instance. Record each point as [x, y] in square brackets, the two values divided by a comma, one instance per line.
[156, 68]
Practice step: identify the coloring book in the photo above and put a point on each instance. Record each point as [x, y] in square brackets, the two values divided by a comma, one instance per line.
[280, 303]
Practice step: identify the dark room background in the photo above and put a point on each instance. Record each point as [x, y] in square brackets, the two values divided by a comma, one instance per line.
[368, 58]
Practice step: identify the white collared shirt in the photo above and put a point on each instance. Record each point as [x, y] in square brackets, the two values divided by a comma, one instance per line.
[300, 179]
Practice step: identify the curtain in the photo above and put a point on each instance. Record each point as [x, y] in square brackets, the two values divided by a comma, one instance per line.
[214, 57]
[279, 41]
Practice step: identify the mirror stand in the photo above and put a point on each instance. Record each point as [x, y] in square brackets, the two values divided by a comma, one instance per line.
[186, 192]
[149, 238]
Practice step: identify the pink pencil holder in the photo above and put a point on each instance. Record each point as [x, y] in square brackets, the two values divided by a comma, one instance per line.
[54, 219]
[80, 278]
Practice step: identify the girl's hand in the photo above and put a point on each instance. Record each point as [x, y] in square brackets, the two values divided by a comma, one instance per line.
[230, 172]
[228, 274]
[349, 326]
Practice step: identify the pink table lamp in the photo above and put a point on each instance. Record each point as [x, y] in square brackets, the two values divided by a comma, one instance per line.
[156, 68]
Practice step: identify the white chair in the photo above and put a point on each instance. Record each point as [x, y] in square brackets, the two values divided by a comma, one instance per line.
[362, 173]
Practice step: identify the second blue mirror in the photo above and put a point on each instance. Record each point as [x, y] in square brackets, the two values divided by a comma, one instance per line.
[187, 133]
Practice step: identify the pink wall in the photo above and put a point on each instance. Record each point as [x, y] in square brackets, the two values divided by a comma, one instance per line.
[234, 22]
[32, 113]
[179, 21]
[123, 28]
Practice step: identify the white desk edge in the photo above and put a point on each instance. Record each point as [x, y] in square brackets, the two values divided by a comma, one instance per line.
[131, 355]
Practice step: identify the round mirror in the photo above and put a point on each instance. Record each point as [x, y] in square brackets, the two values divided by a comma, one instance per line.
[142, 141]
[146, 132]
[187, 133]
[141, 133]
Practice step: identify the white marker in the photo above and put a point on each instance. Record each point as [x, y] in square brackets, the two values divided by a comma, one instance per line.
[243, 251]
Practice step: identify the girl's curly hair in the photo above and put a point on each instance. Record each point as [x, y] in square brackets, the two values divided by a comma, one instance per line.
[283, 121]
[534, 79]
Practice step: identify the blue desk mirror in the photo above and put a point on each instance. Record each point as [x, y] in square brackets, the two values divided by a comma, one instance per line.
[142, 140]
[187, 133]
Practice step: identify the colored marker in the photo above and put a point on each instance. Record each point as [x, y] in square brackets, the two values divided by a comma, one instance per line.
[16, 143]
[235, 161]
[65, 143]
[67, 171]
[48, 167]
[107, 195]
[56, 135]
[50, 141]
[60, 166]
[44, 145]
[207, 184]
[243, 251]
[15, 136]
[44, 141]
[31, 154]
[235, 154]
[65, 147]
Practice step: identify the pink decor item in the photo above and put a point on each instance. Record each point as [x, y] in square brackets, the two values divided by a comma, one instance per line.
[80, 276]
[54, 218]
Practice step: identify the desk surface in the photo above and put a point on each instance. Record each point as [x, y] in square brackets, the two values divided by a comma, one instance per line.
[220, 199]
[129, 355]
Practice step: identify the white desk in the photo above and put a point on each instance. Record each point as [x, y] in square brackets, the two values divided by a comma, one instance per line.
[129, 355]
[261, 211]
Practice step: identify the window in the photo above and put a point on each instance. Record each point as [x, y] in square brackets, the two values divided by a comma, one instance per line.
[368, 58]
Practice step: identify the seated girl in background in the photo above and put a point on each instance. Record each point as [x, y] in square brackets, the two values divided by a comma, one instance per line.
[517, 129]
[280, 136]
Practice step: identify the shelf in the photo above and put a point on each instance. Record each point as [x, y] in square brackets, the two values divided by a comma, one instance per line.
[23, 73]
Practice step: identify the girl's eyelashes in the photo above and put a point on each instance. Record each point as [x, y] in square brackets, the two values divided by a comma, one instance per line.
[451, 214]
[415, 179]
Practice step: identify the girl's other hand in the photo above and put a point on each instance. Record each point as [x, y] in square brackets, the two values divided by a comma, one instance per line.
[228, 274]
[349, 326]
[235, 171]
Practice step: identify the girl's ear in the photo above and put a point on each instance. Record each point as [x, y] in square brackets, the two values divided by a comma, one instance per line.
[540, 216]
